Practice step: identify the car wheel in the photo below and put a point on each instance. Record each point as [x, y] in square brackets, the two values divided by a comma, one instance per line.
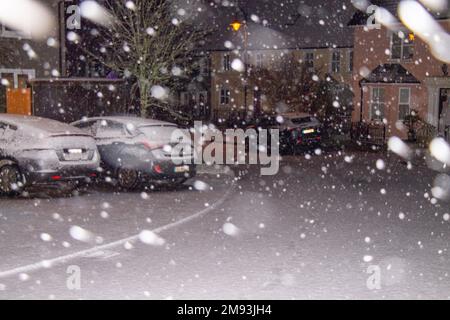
[127, 178]
[11, 182]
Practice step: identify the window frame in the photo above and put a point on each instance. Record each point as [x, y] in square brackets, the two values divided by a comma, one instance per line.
[372, 114]
[310, 61]
[31, 73]
[336, 63]
[260, 60]
[351, 60]
[226, 62]
[402, 47]
[404, 104]
[224, 99]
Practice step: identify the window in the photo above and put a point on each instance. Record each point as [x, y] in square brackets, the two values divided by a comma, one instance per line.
[17, 78]
[336, 62]
[204, 66]
[401, 48]
[309, 61]
[259, 61]
[224, 96]
[404, 102]
[377, 104]
[350, 61]
[226, 63]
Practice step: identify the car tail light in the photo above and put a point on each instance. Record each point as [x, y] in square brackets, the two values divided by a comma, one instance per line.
[158, 169]
[56, 178]
[150, 146]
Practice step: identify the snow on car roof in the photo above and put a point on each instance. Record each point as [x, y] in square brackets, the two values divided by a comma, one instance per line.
[37, 124]
[136, 121]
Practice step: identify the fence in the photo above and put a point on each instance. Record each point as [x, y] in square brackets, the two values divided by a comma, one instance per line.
[368, 133]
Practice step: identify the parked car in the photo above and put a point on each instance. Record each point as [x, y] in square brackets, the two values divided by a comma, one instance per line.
[297, 130]
[38, 151]
[137, 151]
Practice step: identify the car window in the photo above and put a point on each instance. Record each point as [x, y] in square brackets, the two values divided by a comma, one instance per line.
[7, 131]
[109, 129]
[302, 120]
[268, 122]
[86, 126]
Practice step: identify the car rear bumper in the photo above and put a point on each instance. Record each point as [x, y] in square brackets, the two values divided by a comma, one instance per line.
[307, 141]
[169, 171]
[78, 175]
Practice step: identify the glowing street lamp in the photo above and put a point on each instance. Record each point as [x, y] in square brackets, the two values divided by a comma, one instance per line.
[236, 25]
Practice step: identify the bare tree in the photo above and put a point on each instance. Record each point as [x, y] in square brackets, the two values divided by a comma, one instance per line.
[151, 42]
[291, 83]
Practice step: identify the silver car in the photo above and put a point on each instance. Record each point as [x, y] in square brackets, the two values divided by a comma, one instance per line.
[37, 151]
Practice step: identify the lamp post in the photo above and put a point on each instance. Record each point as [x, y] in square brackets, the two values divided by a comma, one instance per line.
[237, 26]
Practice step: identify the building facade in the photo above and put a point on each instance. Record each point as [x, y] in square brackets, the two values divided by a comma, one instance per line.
[395, 73]
[26, 58]
[228, 96]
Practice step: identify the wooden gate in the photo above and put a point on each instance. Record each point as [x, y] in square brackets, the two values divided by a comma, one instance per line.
[18, 101]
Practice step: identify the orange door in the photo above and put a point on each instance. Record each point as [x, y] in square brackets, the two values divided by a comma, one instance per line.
[18, 101]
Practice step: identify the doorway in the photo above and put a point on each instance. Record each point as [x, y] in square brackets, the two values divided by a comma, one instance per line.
[444, 112]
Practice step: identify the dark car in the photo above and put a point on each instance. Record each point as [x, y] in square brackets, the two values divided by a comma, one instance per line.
[136, 151]
[297, 130]
[38, 151]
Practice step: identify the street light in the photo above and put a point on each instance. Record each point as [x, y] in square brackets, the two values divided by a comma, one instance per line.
[237, 26]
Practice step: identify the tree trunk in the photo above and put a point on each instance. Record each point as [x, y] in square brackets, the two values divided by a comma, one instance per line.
[144, 92]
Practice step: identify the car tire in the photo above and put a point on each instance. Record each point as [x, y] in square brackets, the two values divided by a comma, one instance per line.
[127, 179]
[11, 180]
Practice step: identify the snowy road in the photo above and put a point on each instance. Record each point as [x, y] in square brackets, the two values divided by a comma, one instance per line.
[312, 231]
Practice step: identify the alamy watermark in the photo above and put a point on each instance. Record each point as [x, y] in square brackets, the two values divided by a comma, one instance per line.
[73, 19]
[73, 281]
[231, 147]
[374, 280]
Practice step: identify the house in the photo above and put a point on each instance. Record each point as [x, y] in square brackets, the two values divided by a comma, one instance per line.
[315, 34]
[27, 58]
[395, 73]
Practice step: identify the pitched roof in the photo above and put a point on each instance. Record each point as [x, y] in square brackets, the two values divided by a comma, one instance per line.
[390, 73]
[284, 25]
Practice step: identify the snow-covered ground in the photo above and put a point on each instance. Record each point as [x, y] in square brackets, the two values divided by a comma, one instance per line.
[312, 231]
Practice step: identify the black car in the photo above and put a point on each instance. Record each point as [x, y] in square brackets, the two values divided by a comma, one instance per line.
[297, 130]
[136, 151]
[37, 151]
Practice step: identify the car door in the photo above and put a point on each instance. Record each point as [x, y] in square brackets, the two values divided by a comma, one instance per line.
[111, 138]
